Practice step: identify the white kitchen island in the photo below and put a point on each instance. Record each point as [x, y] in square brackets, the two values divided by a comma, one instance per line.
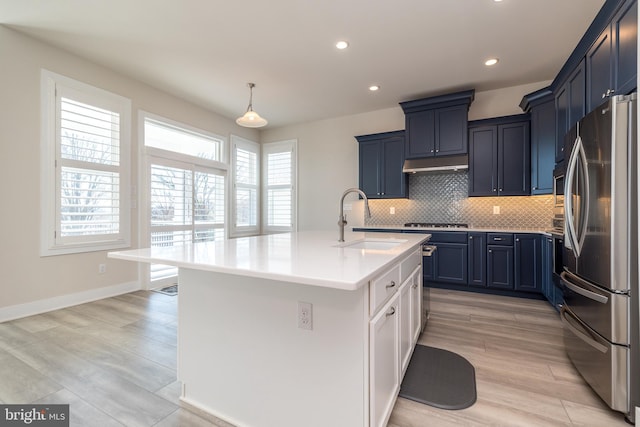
[243, 353]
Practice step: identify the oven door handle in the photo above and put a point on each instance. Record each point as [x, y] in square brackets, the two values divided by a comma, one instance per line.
[567, 277]
[428, 250]
[568, 319]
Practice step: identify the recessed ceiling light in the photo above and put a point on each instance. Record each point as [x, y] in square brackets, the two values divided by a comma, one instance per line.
[490, 62]
[342, 44]
[497, 1]
[374, 88]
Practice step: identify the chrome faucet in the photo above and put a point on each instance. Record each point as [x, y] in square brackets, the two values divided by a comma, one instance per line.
[342, 221]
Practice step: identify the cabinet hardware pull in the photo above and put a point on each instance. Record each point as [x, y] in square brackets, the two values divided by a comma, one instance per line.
[391, 311]
[437, 151]
[501, 189]
[517, 240]
[432, 151]
[609, 92]
[470, 237]
[494, 189]
[497, 239]
[391, 285]
[490, 251]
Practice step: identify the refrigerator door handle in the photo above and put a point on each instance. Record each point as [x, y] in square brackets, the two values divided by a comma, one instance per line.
[585, 200]
[567, 277]
[579, 330]
[570, 239]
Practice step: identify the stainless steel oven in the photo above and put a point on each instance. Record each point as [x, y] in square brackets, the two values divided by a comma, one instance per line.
[558, 199]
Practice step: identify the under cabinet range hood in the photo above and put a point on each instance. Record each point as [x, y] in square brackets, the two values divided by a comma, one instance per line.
[435, 164]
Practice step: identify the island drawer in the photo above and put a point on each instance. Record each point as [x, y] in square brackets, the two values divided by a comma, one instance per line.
[383, 287]
[410, 263]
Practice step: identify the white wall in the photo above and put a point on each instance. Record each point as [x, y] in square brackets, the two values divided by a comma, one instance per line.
[27, 277]
[328, 152]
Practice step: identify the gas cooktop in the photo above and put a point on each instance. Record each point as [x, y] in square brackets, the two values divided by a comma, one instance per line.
[435, 225]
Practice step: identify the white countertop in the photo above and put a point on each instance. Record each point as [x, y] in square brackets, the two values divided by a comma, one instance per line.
[311, 257]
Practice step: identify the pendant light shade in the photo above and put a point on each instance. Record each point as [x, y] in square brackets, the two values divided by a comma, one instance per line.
[251, 119]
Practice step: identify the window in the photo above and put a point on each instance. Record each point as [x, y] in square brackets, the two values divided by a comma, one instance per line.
[186, 188]
[279, 184]
[246, 175]
[85, 169]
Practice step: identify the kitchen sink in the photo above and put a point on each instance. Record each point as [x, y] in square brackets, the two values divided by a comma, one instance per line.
[376, 244]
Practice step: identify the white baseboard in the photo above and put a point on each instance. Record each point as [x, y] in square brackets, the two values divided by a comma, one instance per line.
[42, 306]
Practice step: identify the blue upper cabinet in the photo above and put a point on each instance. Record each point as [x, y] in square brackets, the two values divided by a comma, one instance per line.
[624, 29]
[604, 63]
[611, 60]
[570, 105]
[380, 165]
[499, 156]
[541, 106]
[437, 126]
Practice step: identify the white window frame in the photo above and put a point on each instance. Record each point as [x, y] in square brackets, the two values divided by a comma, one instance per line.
[50, 176]
[150, 155]
[277, 147]
[235, 230]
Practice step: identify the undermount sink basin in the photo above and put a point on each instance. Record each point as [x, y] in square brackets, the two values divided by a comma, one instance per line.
[378, 244]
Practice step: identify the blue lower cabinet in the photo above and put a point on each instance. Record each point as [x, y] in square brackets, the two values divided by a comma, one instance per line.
[500, 267]
[450, 264]
[477, 258]
[550, 290]
[528, 263]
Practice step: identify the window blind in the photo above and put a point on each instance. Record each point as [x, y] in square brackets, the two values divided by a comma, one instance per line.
[279, 179]
[246, 188]
[89, 160]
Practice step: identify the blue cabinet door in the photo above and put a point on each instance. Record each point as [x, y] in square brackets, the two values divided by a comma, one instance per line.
[562, 120]
[450, 264]
[500, 267]
[624, 31]
[570, 105]
[543, 147]
[483, 161]
[477, 256]
[451, 130]
[528, 263]
[370, 164]
[514, 167]
[577, 94]
[420, 135]
[394, 181]
[599, 70]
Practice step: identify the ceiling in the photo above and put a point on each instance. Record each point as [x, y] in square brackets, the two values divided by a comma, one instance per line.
[206, 51]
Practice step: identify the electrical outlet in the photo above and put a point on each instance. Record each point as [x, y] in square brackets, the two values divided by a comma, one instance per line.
[496, 210]
[305, 315]
[392, 210]
[102, 268]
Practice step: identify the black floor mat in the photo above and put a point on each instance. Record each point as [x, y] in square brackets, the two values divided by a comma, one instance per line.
[439, 378]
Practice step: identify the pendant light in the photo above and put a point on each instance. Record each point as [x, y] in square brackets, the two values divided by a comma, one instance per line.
[251, 119]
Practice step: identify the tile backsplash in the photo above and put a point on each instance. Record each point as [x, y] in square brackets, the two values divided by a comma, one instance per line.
[443, 197]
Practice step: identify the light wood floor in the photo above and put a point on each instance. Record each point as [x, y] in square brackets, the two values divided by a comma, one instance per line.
[114, 362]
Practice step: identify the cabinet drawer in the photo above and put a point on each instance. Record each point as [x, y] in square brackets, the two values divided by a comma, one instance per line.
[383, 287]
[408, 266]
[448, 237]
[502, 239]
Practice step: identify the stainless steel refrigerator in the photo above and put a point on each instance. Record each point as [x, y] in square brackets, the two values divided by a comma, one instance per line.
[600, 259]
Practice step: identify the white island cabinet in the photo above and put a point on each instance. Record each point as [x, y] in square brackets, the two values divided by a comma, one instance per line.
[245, 356]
